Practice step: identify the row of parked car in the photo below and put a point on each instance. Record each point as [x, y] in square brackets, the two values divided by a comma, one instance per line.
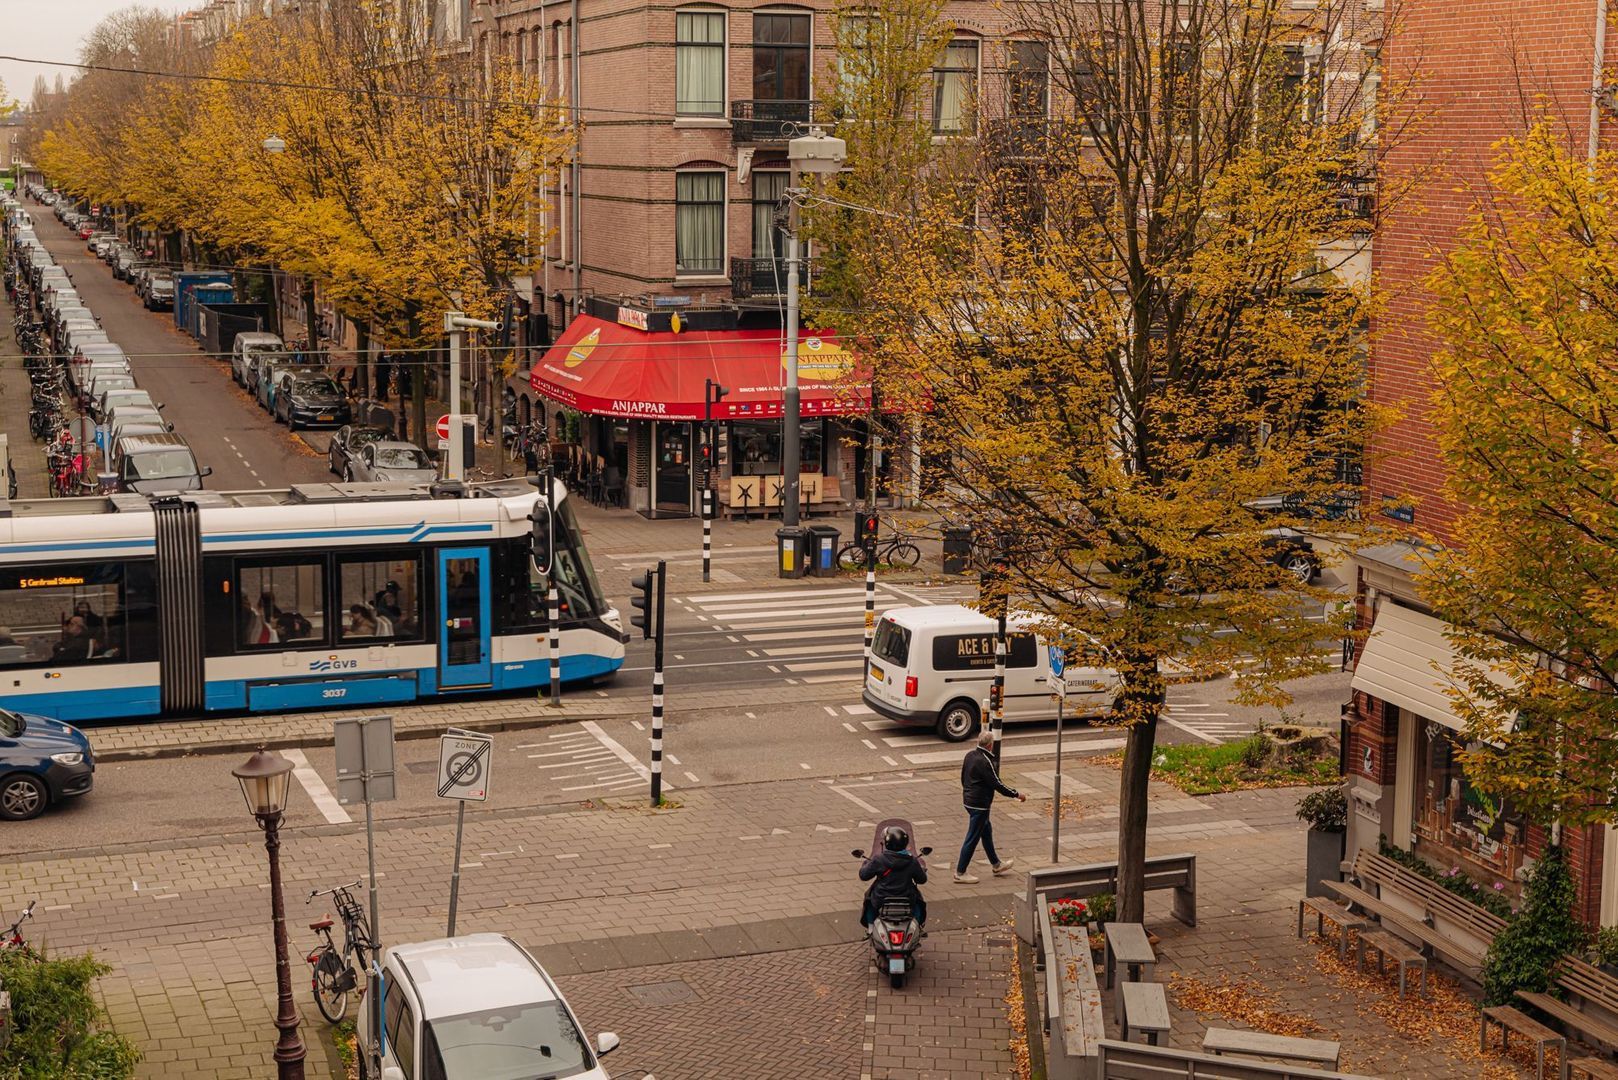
[140, 447]
[153, 281]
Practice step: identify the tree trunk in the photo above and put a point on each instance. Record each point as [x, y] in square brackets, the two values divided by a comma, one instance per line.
[418, 402]
[309, 313]
[362, 369]
[1145, 698]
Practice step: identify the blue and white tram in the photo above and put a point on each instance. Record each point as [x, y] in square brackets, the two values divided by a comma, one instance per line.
[324, 595]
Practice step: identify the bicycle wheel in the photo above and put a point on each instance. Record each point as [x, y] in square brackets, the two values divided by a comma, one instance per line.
[329, 986]
[851, 557]
[904, 554]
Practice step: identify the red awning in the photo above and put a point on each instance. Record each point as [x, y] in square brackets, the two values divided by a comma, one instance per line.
[607, 369]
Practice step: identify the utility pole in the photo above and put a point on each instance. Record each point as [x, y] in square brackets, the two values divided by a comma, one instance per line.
[648, 615]
[542, 547]
[711, 396]
[456, 325]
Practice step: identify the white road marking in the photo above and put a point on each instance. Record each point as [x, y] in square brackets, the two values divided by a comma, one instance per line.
[803, 764]
[1189, 730]
[570, 753]
[852, 630]
[851, 729]
[824, 665]
[691, 776]
[774, 596]
[890, 761]
[845, 677]
[869, 745]
[623, 755]
[1012, 750]
[839, 649]
[829, 710]
[319, 793]
[636, 724]
[859, 710]
[672, 760]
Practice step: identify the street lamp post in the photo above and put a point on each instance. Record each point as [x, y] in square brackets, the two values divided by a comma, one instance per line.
[274, 145]
[265, 778]
[816, 152]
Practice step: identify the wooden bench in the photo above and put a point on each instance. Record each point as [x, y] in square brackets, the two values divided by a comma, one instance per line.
[1456, 927]
[1262, 1044]
[1135, 1061]
[1510, 1020]
[1144, 1007]
[1595, 987]
[1593, 1067]
[1126, 944]
[1176, 872]
[1327, 910]
[1072, 1002]
[1387, 948]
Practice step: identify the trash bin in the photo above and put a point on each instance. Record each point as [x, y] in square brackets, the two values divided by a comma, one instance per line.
[823, 548]
[957, 549]
[790, 544]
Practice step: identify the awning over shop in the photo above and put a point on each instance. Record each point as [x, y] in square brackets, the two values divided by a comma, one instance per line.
[609, 369]
[1408, 662]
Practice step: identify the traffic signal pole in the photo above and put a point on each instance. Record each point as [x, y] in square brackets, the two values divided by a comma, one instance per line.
[711, 396]
[648, 615]
[870, 583]
[553, 596]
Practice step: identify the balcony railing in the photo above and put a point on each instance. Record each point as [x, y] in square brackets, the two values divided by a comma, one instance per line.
[754, 278]
[759, 121]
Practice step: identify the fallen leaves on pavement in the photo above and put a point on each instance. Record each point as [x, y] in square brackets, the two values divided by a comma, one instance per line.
[1240, 999]
[1017, 1018]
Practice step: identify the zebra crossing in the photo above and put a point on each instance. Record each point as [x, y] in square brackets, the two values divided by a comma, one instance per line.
[582, 761]
[807, 635]
[904, 745]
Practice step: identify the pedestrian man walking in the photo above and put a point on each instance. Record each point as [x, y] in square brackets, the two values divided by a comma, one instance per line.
[980, 779]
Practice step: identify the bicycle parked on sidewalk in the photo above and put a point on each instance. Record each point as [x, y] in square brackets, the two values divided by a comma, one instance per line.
[332, 975]
[894, 550]
[12, 938]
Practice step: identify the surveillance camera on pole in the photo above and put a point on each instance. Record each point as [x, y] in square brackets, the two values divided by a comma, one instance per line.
[456, 325]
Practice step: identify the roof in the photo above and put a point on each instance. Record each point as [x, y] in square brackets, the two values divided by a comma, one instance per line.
[953, 616]
[132, 443]
[257, 337]
[472, 973]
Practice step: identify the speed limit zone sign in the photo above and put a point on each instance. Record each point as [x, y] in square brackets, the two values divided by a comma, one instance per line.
[463, 767]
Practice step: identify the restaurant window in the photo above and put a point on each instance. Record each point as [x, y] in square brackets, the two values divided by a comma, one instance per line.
[769, 188]
[1027, 79]
[281, 603]
[699, 63]
[699, 222]
[379, 599]
[955, 87]
[780, 57]
[76, 613]
[1457, 824]
[755, 448]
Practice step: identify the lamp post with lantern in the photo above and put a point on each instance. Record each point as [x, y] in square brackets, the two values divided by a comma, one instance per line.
[265, 778]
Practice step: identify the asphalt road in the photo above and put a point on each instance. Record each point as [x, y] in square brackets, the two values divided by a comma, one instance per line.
[225, 429]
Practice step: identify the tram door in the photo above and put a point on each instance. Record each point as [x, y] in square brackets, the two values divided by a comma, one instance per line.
[463, 618]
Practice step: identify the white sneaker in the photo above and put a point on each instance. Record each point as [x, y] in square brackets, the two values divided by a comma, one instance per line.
[965, 879]
[1003, 866]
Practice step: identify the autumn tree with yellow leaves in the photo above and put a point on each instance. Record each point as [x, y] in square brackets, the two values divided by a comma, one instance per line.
[1526, 410]
[411, 179]
[1112, 311]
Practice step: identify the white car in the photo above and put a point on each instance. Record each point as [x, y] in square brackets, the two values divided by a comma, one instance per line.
[476, 1007]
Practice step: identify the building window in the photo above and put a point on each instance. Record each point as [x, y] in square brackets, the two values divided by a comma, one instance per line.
[281, 602]
[781, 57]
[955, 88]
[1027, 79]
[699, 222]
[769, 188]
[699, 63]
[756, 447]
[1300, 82]
[1455, 822]
[858, 40]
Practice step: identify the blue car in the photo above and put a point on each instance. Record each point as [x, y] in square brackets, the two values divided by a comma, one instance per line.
[42, 761]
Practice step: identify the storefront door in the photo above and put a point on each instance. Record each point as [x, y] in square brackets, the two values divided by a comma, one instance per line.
[672, 444]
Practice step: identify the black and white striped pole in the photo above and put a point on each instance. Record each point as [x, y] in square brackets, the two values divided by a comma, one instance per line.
[648, 615]
[711, 396]
[867, 531]
[541, 548]
[994, 583]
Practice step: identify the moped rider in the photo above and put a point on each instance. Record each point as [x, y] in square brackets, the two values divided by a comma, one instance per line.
[893, 872]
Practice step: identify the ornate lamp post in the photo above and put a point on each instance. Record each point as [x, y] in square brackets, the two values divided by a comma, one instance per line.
[265, 778]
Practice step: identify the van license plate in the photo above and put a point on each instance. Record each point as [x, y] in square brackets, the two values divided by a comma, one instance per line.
[877, 673]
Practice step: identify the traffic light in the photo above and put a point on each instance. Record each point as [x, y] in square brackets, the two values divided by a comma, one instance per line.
[641, 601]
[866, 524]
[539, 541]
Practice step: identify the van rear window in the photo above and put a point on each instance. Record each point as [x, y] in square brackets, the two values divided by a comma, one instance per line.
[891, 643]
[968, 652]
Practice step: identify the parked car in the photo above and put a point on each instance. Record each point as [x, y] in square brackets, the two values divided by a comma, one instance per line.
[42, 761]
[302, 399]
[123, 261]
[111, 399]
[476, 1007]
[347, 442]
[934, 666]
[1290, 550]
[159, 292]
[150, 463]
[243, 348]
[85, 230]
[391, 462]
[271, 375]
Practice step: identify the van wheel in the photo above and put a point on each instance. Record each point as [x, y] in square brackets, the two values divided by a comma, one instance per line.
[958, 721]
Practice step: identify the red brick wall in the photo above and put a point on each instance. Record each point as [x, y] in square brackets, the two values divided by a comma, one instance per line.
[1481, 67]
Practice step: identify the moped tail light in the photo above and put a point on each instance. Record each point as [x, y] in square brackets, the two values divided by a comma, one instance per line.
[896, 937]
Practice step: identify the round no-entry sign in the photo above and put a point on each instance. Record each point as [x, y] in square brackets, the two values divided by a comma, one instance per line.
[443, 426]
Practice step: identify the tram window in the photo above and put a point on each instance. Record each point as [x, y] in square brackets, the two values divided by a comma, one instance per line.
[282, 603]
[379, 599]
[58, 615]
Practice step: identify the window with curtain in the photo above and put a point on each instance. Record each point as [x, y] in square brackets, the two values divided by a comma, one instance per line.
[699, 222]
[699, 63]
[858, 36]
[781, 57]
[955, 87]
[768, 190]
[1027, 76]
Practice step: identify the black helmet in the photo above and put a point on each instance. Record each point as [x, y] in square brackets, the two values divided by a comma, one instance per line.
[895, 838]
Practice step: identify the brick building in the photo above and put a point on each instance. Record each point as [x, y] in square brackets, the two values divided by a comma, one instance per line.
[1483, 66]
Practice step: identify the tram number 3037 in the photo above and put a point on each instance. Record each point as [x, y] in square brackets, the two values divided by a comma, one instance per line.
[334, 693]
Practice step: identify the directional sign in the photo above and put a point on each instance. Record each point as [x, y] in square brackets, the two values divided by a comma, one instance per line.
[463, 766]
[1054, 680]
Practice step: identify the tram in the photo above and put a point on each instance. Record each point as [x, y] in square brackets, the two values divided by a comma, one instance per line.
[323, 595]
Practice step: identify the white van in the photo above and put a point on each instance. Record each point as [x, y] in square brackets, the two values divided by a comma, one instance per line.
[935, 666]
[246, 344]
